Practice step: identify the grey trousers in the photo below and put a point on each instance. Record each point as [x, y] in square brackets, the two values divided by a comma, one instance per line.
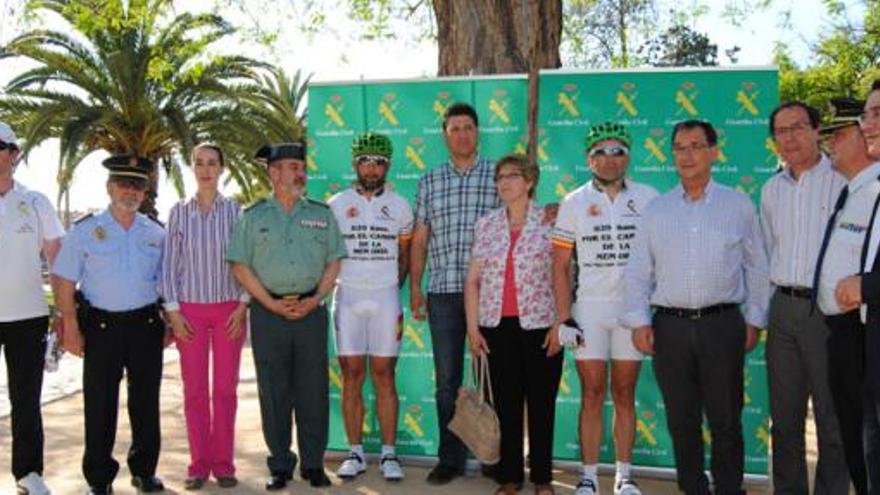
[797, 369]
[292, 378]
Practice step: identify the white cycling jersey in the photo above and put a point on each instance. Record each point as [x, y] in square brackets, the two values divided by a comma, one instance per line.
[602, 233]
[372, 229]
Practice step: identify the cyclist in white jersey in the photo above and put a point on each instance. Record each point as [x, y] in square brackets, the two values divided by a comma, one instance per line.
[376, 224]
[594, 232]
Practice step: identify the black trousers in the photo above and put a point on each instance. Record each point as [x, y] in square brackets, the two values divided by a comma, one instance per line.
[117, 342]
[846, 372]
[520, 371]
[699, 367]
[24, 343]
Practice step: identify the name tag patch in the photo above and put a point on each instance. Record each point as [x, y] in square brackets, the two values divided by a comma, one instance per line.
[314, 224]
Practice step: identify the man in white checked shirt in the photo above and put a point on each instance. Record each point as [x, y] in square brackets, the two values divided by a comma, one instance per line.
[795, 206]
[699, 256]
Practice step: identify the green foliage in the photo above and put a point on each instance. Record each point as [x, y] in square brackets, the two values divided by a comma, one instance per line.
[680, 46]
[846, 59]
[123, 77]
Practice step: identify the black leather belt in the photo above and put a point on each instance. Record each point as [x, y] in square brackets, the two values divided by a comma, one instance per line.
[294, 295]
[801, 292]
[150, 313]
[694, 314]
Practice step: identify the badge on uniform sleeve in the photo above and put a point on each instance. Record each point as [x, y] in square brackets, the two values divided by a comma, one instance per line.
[100, 233]
[593, 210]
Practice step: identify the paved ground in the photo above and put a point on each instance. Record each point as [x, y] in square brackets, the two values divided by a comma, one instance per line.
[64, 427]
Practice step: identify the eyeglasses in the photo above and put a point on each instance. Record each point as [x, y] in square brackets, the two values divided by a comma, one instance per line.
[791, 129]
[693, 148]
[609, 151]
[7, 146]
[868, 115]
[508, 176]
[378, 160]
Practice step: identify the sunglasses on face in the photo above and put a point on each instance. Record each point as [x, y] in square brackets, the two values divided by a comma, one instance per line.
[609, 151]
[378, 160]
[7, 146]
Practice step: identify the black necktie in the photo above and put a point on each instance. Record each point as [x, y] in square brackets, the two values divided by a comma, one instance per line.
[841, 200]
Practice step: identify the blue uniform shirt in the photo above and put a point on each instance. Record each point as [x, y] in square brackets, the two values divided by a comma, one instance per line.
[117, 269]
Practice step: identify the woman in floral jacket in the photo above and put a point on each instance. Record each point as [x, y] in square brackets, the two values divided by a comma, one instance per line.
[510, 309]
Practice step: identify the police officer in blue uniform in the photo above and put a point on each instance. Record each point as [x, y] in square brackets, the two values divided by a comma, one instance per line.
[108, 271]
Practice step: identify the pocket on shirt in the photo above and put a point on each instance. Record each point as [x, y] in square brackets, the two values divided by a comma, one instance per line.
[148, 261]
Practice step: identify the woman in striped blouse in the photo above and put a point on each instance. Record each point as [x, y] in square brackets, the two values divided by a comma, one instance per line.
[207, 311]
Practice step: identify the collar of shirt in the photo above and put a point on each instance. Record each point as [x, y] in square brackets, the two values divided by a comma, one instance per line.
[360, 192]
[706, 198]
[864, 177]
[478, 161]
[599, 188]
[821, 168]
[219, 201]
[301, 203]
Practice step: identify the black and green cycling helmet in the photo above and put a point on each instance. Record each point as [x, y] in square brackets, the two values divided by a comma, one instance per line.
[371, 143]
[607, 130]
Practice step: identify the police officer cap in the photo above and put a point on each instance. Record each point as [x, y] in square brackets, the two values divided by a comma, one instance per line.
[844, 113]
[129, 166]
[295, 151]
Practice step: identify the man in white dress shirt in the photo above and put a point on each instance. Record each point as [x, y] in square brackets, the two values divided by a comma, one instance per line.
[865, 290]
[699, 262]
[842, 255]
[795, 206]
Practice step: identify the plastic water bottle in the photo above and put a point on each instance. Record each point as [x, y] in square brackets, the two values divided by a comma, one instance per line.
[53, 352]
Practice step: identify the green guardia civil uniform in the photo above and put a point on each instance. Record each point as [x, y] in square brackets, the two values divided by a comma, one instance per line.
[288, 252]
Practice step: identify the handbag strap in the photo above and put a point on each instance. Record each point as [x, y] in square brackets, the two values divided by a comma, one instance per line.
[482, 378]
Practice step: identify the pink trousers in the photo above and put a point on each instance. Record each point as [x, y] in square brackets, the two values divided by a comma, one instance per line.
[210, 408]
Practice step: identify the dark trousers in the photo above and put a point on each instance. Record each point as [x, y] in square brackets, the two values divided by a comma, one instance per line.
[292, 378]
[24, 343]
[699, 367]
[448, 330]
[520, 371]
[871, 403]
[846, 371]
[797, 370]
[117, 342]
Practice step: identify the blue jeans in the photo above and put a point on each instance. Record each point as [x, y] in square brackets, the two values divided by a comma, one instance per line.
[871, 436]
[448, 331]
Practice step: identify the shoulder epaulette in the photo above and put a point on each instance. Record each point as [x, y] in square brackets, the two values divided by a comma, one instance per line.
[317, 203]
[83, 218]
[254, 204]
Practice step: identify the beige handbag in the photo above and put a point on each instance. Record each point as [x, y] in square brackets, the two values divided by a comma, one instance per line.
[475, 421]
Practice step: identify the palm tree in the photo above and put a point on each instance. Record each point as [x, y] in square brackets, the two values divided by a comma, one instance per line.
[118, 77]
[273, 103]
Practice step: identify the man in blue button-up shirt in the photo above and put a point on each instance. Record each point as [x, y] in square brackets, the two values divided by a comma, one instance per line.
[114, 259]
[698, 257]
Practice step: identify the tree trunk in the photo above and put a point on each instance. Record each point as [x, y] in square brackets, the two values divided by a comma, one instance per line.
[496, 36]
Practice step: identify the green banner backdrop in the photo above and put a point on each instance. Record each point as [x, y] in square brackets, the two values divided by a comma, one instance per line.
[650, 102]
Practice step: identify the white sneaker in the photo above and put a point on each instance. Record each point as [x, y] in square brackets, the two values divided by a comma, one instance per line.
[626, 486]
[587, 486]
[33, 484]
[352, 466]
[390, 468]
